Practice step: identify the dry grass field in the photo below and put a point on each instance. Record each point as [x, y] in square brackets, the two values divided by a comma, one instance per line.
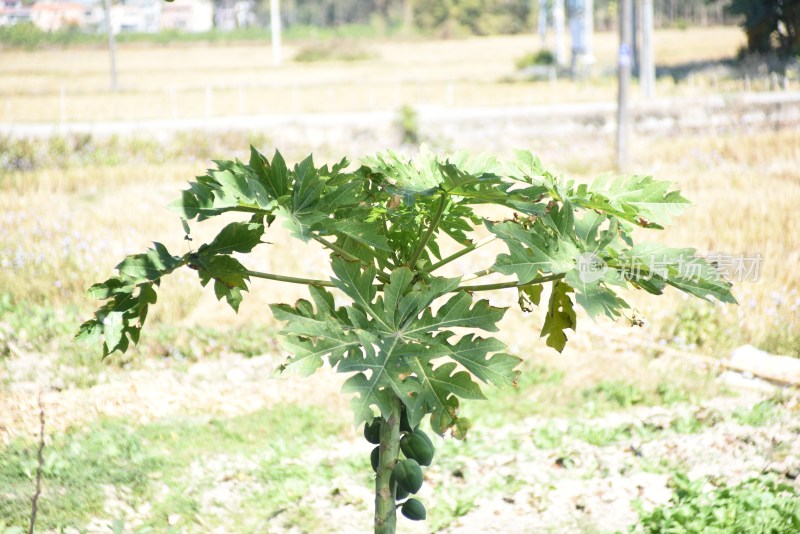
[193, 432]
[731, 179]
[197, 80]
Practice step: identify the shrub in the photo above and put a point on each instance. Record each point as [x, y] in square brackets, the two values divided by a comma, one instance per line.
[540, 58]
[334, 51]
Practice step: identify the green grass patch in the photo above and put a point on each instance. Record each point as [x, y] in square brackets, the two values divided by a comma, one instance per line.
[687, 424]
[34, 324]
[548, 437]
[615, 392]
[28, 37]
[760, 504]
[542, 58]
[670, 393]
[19, 155]
[250, 339]
[600, 436]
[79, 464]
[43, 328]
[759, 414]
[504, 404]
[75, 469]
[702, 326]
[334, 51]
[540, 391]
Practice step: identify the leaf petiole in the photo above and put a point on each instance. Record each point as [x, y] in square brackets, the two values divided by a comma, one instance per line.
[512, 284]
[464, 251]
[289, 279]
[346, 255]
[437, 218]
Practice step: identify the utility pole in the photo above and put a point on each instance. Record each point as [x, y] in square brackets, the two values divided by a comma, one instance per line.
[635, 38]
[624, 74]
[275, 26]
[647, 68]
[112, 45]
[408, 15]
[558, 22]
[543, 22]
[581, 25]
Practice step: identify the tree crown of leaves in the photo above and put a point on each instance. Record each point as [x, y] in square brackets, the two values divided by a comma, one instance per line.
[407, 332]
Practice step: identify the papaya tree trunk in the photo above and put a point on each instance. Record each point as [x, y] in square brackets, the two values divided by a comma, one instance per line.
[385, 506]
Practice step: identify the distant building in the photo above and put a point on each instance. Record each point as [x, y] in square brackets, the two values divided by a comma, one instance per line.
[13, 12]
[188, 15]
[54, 16]
[139, 16]
[232, 14]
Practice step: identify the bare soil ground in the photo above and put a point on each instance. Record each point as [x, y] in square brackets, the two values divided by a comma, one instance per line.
[532, 473]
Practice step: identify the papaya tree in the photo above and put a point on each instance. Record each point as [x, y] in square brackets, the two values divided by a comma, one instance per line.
[412, 341]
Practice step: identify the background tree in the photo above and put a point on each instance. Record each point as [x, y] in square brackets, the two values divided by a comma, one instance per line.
[789, 31]
[760, 21]
[769, 24]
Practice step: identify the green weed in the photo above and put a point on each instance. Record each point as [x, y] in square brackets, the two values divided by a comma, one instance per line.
[686, 425]
[547, 437]
[703, 326]
[758, 505]
[615, 392]
[19, 155]
[519, 401]
[540, 58]
[670, 393]
[758, 415]
[79, 464]
[76, 467]
[600, 436]
[28, 37]
[334, 51]
[408, 125]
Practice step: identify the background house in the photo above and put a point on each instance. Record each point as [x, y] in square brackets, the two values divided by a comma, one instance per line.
[188, 15]
[232, 14]
[53, 16]
[13, 12]
[140, 16]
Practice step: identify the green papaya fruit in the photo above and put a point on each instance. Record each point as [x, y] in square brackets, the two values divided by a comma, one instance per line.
[414, 510]
[408, 475]
[399, 493]
[417, 446]
[372, 431]
[405, 426]
[375, 457]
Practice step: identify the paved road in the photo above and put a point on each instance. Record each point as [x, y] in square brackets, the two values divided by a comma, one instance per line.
[662, 114]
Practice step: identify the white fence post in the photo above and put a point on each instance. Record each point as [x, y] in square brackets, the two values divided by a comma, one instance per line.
[173, 101]
[275, 30]
[62, 105]
[295, 99]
